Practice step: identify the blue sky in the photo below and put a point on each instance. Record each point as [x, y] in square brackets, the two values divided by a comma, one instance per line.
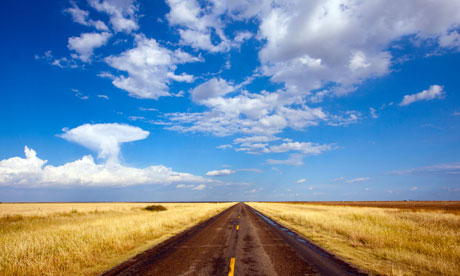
[123, 100]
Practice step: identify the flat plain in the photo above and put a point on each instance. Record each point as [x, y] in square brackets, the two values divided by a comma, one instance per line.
[385, 238]
[87, 238]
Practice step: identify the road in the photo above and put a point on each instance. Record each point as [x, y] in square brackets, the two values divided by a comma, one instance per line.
[239, 241]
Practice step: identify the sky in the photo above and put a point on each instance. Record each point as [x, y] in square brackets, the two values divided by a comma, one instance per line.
[187, 100]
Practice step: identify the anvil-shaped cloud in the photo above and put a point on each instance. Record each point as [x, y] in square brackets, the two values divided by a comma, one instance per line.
[103, 138]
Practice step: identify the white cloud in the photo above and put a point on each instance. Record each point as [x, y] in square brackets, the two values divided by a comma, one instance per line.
[434, 92]
[350, 117]
[357, 180]
[200, 27]
[104, 138]
[185, 186]
[122, 13]
[244, 141]
[223, 172]
[150, 68]
[85, 44]
[227, 146]
[81, 17]
[306, 148]
[415, 188]
[80, 95]
[103, 96]
[32, 172]
[302, 38]
[254, 144]
[293, 159]
[199, 187]
[261, 114]
[450, 40]
[300, 181]
[216, 87]
[63, 62]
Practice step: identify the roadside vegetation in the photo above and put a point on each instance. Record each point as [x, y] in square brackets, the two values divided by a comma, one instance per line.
[87, 238]
[384, 241]
[155, 208]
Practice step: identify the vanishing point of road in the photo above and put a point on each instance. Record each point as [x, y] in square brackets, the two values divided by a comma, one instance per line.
[239, 241]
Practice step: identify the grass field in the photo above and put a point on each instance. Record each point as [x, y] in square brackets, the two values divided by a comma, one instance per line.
[397, 240]
[452, 207]
[87, 238]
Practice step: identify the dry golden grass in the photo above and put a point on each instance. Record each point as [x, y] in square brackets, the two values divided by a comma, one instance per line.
[40, 209]
[87, 238]
[386, 241]
[416, 206]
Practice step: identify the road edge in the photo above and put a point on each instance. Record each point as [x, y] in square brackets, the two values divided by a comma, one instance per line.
[159, 249]
[324, 253]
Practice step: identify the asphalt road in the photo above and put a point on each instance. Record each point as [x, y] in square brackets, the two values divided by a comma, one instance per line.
[238, 241]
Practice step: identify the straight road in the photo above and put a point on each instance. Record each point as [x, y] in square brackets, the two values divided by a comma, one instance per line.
[239, 241]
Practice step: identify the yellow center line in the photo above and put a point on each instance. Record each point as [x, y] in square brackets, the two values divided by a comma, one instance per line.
[237, 227]
[232, 267]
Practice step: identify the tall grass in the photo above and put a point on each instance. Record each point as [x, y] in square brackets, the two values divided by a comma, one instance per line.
[380, 240]
[83, 242]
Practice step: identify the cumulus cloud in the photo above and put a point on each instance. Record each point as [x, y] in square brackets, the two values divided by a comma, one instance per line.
[104, 138]
[122, 13]
[300, 52]
[213, 88]
[32, 172]
[258, 114]
[302, 39]
[223, 172]
[434, 92]
[200, 27]
[150, 68]
[85, 44]
[302, 149]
